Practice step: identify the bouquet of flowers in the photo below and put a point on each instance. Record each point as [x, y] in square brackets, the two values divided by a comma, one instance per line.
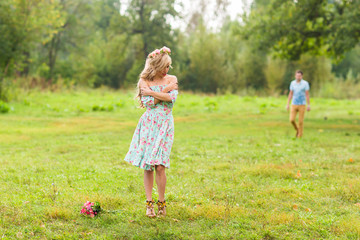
[91, 209]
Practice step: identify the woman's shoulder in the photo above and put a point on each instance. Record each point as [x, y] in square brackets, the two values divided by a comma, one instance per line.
[171, 78]
[143, 82]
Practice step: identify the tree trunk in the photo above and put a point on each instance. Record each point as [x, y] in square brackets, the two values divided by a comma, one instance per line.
[53, 50]
[141, 13]
[2, 97]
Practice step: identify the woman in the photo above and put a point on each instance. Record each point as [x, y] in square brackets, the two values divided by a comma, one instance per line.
[153, 137]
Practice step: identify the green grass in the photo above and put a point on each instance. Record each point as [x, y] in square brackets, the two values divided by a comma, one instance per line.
[233, 174]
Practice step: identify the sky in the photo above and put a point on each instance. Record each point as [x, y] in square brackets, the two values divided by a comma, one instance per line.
[235, 7]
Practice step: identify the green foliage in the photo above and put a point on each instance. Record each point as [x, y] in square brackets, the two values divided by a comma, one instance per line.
[104, 43]
[340, 88]
[43, 71]
[4, 107]
[292, 28]
[24, 24]
[108, 108]
[206, 61]
[351, 62]
[274, 72]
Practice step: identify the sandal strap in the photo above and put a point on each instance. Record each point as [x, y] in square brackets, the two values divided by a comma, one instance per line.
[160, 204]
[150, 203]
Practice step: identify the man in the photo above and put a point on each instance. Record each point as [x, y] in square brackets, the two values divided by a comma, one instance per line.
[299, 91]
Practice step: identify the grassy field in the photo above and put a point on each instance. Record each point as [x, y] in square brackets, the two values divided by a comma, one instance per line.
[237, 172]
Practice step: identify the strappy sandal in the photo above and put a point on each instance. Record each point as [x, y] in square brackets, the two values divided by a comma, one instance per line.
[150, 212]
[161, 208]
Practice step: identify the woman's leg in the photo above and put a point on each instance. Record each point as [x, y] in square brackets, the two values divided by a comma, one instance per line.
[148, 183]
[160, 181]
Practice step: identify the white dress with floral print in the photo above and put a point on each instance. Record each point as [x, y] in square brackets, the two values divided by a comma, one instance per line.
[154, 135]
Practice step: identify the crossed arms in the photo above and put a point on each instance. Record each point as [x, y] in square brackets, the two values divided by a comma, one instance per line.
[159, 96]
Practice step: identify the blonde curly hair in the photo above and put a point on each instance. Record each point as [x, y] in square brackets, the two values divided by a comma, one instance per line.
[155, 62]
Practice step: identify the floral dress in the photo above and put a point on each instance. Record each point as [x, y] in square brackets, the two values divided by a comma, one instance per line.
[154, 135]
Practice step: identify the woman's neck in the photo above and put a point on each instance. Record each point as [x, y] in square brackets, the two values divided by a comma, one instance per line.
[159, 78]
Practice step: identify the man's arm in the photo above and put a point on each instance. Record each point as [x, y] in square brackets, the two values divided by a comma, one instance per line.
[289, 99]
[307, 99]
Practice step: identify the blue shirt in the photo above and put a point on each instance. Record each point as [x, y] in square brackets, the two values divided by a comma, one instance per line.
[299, 97]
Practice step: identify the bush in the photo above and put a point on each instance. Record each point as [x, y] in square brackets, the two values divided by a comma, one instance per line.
[340, 88]
[108, 108]
[4, 107]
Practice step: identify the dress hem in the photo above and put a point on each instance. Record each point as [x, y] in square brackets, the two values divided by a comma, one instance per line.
[151, 166]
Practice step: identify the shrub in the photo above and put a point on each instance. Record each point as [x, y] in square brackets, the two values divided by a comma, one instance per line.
[4, 107]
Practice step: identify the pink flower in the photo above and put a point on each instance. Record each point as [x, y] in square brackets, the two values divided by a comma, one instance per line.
[157, 51]
[166, 49]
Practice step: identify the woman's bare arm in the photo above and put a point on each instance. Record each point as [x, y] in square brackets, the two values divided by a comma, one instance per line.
[143, 85]
[163, 95]
[160, 96]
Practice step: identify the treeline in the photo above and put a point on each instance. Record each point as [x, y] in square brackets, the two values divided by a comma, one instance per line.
[105, 42]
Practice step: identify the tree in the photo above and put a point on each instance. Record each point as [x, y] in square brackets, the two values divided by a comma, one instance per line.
[72, 34]
[291, 28]
[22, 25]
[150, 20]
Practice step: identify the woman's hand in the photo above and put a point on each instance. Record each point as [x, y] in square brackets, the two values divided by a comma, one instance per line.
[146, 91]
[171, 86]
